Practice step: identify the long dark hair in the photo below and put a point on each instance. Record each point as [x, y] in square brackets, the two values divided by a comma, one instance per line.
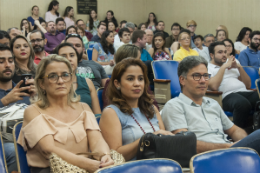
[53, 3]
[154, 20]
[72, 26]
[41, 21]
[113, 19]
[158, 34]
[66, 12]
[29, 26]
[103, 43]
[91, 20]
[242, 33]
[233, 48]
[145, 102]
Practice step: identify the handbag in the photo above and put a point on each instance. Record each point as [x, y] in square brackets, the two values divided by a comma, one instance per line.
[58, 165]
[180, 147]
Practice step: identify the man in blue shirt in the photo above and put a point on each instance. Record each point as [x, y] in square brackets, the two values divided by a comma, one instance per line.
[61, 25]
[251, 55]
[139, 39]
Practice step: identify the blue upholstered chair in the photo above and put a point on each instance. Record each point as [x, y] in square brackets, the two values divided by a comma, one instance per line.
[232, 160]
[253, 74]
[22, 164]
[142, 166]
[3, 165]
[98, 119]
[100, 99]
[89, 52]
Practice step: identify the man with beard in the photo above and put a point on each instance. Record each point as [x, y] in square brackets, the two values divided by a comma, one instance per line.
[251, 55]
[54, 38]
[229, 77]
[10, 93]
[38, 42]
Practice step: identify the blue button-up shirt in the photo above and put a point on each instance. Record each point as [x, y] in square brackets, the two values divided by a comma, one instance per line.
[3, 93]
[249, 57]
[145, 56]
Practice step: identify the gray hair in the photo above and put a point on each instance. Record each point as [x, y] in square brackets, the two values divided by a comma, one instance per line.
[9, 30]
[190, 62]
[208, 35]
[130, 25]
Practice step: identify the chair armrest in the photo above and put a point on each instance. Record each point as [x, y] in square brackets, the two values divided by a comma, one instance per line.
[162, 80]
[214, 92]
[216, 95]
[252, 89]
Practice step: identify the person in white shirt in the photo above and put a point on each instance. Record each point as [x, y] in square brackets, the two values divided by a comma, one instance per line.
[243, 39]
[149, 34]
[124, 35]
[229, 77]
[52, 13]
[131, 28]
[202, 50]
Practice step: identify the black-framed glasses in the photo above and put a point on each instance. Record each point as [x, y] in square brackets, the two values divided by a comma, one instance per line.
[192, 26]
[255, 39]
[197, 76]
[36, 40]
[54, 77]
[74, 35]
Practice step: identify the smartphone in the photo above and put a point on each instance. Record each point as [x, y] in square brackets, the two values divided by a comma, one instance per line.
[25, 77]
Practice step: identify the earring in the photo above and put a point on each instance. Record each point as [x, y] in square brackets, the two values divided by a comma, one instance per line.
[118, 88]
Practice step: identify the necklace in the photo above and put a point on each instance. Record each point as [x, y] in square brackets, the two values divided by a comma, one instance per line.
[141, 126]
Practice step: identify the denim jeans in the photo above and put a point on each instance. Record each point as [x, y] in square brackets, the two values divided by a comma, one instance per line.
[10, 156]
[251, 141]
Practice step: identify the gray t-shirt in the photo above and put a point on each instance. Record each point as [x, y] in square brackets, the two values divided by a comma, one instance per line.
[207, 121]
[93, 71]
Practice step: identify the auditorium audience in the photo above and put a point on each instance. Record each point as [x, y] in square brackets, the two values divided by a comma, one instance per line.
[61, 25]
[110, 17]
[82, 24]
[242, 40]
[131, 108]
[221, 35]
[191, 26]
[122, 24]
[124, 35]
[80, 31]
[149, 40]
[230, 47]
[160, 28]
[54, 38]
[25, 27]
[83, 87]
[5, 39]
[250, 56]
[151, 21]
[202, 115]
[63, 120]
[202, 50]
[139, 39]
[208, 39]
[222, 27]
[87, 69]
[13, 32]
[142, 26]
[185, 46]
[69, 16]
[131, 28]
[35, 15]
[23, 56]
[158, 50]
[93, 22]
[176, 28]
[229, 77]
[52, 14]
[100, 29]
[103, 52]
[38, 42]
[112, 27]
[71, 30]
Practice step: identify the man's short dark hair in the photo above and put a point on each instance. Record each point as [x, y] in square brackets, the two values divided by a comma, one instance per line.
[59, 19]
[199, 36]
[122, 22]
[176, 24]
[101, 24]
[4, 47]
[4, 34]
[42, 34]
[213, 45]
[9, 30]
[252, 34]
[78, 21]
[159, 22]
[137, 34]
[121, 31]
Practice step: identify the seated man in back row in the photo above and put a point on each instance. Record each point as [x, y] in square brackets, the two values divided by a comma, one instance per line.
[201, 115]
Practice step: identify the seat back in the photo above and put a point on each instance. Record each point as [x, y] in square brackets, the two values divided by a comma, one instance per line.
[237, 160]
[141, 166]
[253, 74]
[257, 84]
[22, 164]
[168, 70]
[3, 165]
[98, 119]
[89, 52]
[100, 99]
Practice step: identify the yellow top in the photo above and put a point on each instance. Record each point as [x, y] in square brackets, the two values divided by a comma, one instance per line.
[182, 53]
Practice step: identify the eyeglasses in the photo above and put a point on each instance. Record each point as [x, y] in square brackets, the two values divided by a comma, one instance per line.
[192, 26]
[255, 39]
[36, 40]
[53, 77]
[185, 38]
[73, 35]
[197, 76]
[175, 29]
[229, 46]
